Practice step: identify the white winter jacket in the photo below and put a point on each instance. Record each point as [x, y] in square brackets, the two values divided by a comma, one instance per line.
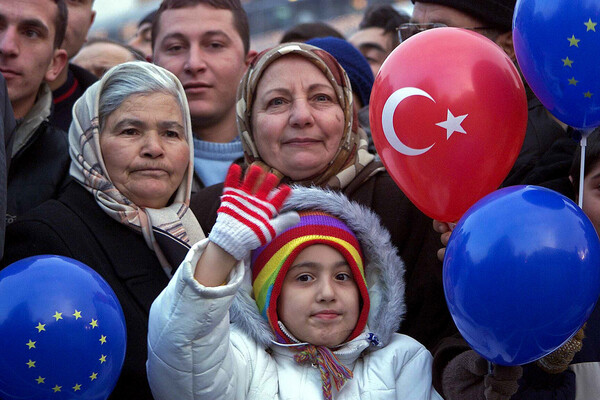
[195, 353]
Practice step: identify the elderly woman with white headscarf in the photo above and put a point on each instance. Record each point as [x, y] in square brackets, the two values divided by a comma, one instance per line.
[126, 213]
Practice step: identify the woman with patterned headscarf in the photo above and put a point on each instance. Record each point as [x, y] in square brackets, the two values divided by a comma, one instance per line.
[296, 119]
[126, 214]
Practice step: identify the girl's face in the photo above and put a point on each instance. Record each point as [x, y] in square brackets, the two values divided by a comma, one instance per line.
[319, 301]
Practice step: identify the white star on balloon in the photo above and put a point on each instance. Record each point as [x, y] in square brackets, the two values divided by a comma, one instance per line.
[452, 124]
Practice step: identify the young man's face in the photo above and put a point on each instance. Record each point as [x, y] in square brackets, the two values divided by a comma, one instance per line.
[81, 17]
[375, 44]
[27, 54]
[201, 46]
[319, 301]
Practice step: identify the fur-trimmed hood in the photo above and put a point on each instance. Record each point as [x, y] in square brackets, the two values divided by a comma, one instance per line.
[384, 270]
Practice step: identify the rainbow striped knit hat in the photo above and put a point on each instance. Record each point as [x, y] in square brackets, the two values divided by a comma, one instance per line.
[271, 262]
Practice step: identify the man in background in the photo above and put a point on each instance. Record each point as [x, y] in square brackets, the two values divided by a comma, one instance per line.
[206, 44]
[73, 80]
[377, 34]
[31, 32]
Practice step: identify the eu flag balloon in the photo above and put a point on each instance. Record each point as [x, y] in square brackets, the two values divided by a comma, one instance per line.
[557, 43]
[62, 331]
[521, 273]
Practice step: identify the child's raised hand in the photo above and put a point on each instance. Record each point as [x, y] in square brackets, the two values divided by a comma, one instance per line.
[247, 217]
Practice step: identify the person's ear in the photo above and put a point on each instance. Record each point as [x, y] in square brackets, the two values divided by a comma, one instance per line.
[59, 61]
[250, 56]
[505, 41]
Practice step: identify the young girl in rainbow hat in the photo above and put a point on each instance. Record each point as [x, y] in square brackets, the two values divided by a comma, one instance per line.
[300, 305]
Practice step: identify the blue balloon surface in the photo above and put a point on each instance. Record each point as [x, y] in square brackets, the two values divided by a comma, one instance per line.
[521, 273]
[62, 331]
[557, 43]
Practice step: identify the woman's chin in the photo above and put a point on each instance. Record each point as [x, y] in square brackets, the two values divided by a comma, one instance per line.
[302, 170]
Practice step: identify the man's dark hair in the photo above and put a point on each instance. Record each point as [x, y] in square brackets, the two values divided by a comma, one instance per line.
[386, 17]
[309, 30]
[240, 18]
[60, 23]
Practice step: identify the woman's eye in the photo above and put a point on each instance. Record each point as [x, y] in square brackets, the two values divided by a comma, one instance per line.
[172, 134]
[321, 98]
[129, 131]
[278, 101]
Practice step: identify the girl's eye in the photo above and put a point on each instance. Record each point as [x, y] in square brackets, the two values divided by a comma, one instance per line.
[343, 277]
[304, 278]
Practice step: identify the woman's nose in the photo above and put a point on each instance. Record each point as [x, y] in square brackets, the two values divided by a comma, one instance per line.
[152, 145]
[301, 114]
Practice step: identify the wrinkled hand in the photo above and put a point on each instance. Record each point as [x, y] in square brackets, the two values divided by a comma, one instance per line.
[445, 228]
[466, 377]
[247, 217]
[558, 361]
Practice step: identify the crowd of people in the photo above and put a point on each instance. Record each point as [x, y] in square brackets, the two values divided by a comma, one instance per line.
[236, 204]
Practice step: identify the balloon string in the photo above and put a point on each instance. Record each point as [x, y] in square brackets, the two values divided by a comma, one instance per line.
[490, 368]
[581, 169]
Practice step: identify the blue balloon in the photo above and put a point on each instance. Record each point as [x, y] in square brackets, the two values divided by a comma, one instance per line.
[521, 273]
[62, 331]
[557, 43]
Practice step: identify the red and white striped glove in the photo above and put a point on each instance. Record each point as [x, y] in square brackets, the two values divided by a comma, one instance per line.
[247, 217]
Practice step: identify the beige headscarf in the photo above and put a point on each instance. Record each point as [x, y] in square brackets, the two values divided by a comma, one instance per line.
[168, 231]
[352, 154]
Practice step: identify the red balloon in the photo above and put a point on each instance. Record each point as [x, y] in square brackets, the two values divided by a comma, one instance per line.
[448, 115]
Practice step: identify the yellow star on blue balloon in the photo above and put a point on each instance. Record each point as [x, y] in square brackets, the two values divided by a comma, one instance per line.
[573, 41]
[591, 26]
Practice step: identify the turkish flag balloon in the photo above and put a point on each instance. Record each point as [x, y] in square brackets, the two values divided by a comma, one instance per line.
[448, 115]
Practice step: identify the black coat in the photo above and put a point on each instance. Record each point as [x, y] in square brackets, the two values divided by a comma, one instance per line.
[75, 226]
[427, 317]
[39, 171]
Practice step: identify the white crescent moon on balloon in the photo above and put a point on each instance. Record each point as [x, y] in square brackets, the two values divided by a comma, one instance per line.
[387, 119]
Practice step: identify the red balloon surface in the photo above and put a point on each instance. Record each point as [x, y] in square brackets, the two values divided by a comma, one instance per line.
[448, 115]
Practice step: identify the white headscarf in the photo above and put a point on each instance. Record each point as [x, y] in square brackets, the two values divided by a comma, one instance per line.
[168, 231]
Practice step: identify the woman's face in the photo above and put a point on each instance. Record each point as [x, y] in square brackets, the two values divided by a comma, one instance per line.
[144, 148]
[297, 121]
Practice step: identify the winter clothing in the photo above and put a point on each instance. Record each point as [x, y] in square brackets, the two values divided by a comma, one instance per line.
[467, 377]
[64, 97]
[212, 160]
[173, 226]
[545, 147]
[271, 262]
[353, 62]
[245, 220]
[494, 13]
[7, 127]
[39, 168]
[191, 342]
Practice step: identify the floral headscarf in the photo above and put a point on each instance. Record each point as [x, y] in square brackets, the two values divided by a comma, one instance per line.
[352, 154]
[168, 231]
